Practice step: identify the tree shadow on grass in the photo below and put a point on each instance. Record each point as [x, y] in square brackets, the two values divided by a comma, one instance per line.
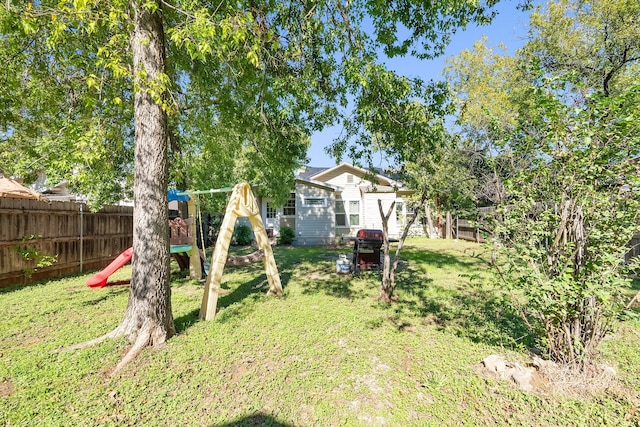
[467, 307]
[185, 321]
[314, 270]
[258, 419]
[105, 296]
[471, 260]
[254, 288]
[229, 297]
[42, 282]
[320, 277]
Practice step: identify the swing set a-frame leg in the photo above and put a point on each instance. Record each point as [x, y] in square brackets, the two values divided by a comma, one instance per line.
[242, 204]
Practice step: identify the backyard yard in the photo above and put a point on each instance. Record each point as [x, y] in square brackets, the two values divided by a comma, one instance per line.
[325, 354]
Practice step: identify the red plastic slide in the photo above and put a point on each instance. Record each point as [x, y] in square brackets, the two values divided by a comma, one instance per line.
[99, 280]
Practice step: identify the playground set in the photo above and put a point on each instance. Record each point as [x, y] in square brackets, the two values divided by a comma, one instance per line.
[242, 204]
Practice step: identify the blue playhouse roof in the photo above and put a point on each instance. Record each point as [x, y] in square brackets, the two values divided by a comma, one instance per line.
[173, 195]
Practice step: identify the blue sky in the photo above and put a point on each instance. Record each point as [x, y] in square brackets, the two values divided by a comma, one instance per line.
[509, 27]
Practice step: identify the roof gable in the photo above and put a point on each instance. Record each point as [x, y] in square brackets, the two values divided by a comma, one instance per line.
[326, 174]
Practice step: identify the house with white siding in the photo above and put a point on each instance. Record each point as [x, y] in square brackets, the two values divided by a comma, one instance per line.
[336, 202]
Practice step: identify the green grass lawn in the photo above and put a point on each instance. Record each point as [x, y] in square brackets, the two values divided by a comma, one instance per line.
[324, 354]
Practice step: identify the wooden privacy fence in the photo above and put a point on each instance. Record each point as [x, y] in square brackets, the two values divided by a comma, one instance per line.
[463, 229]
[460, 228]
[66, 233]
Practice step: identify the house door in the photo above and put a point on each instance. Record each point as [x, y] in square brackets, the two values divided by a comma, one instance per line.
[271, 216]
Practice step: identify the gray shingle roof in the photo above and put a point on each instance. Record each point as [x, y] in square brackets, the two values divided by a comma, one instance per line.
[309, 171]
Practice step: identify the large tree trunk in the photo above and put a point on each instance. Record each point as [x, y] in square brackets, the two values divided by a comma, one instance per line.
[148, 319]
[148, 316]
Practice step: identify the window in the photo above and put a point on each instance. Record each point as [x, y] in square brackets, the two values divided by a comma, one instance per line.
[289, 208]
[354, 213]
[349, 179]
[271, 211]
[341, 215]
[315, 201]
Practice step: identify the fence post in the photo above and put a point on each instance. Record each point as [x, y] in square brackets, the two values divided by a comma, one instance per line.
[457, 228]
[81, 237]
[448, 226]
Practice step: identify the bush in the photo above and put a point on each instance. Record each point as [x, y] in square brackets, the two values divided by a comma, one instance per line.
[566, 226]
[286, 235]
[242, 235]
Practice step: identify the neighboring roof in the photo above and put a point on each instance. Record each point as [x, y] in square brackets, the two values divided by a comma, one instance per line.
[59, 192]
[11, 188]
[347, 167]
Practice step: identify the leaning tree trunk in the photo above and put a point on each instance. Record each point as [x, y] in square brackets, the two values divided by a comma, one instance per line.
[388, 281]
[431, 233]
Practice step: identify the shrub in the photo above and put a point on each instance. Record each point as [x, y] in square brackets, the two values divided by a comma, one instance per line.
[286, 235]
[242, 235]
[565, 228]
[37, 259]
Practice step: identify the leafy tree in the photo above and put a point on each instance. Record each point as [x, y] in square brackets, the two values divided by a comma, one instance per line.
[475, 76]
[447, 174]
[59, 111]
[399, 118]
[439, 173]
[404, 120]
[569, 219]
[129, 79]
[571, 197]
[595, 42]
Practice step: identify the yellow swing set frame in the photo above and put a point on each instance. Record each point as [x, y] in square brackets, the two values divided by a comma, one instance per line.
[242, 204]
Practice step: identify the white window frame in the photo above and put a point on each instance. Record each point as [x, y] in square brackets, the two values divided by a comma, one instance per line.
[343, 213]
[322, 202]
[287, 205]
[271, 211]
[356, 213]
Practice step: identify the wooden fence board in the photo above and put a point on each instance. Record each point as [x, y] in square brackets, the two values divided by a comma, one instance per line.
[59, 229]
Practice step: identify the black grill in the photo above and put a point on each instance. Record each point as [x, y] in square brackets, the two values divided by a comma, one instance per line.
[366, 250]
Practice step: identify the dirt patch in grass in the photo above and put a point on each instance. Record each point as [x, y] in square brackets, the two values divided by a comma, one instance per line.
[6, 388]
[595, 380]
[29, 341]
[554, 380]
[191, 291]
